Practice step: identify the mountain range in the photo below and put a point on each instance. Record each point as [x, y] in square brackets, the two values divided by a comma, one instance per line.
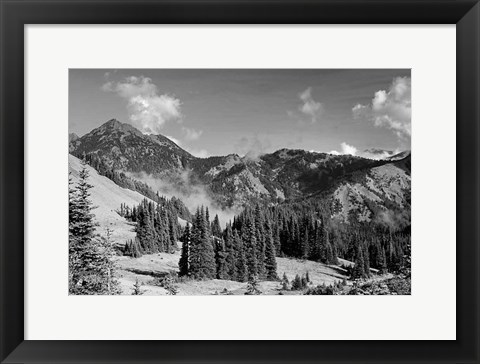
[352, 187]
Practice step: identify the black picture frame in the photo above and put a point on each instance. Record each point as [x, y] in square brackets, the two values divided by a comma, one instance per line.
[15, 14]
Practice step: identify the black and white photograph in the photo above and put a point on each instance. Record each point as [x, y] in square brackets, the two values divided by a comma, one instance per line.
[200, 182]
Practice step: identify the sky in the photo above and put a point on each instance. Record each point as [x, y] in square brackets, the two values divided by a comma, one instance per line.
[245, 111]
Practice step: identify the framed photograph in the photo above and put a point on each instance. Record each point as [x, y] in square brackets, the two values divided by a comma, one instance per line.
[235, 181]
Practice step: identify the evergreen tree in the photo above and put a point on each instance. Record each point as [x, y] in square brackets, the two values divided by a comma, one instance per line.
[382, 261]
[241, 268]
[230, 251]
[260, 241]
[297, 283]
[359, 268]
[285, 282]
[252, 286]
[184, 263]
[250, 244]
[330, 257]
[317, 242]
[220, 259]
[216, 229]
[207, 216]
[133, 249]
[270, 262]
[366, 259]
[276, 240]
[146, 234]
[169, 286]
[202, 261]
[107, 266]
[172, 236]
[304, 244]
[91, 268]
[137, 288]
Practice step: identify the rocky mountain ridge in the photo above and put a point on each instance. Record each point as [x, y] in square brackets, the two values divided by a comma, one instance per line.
[352, 185]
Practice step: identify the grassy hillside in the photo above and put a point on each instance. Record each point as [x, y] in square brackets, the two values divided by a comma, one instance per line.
[107, 197]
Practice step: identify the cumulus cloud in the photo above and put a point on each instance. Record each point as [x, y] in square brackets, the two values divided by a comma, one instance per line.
[148, 110]
[390, 108]
[309, 106]
[345, 149]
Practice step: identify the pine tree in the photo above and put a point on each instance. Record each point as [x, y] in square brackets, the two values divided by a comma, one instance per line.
[169, 286]
[216, 229]
[260, 242]
[250, 244]
[220, 259]
[330, 257]
[207, 216]
[304, 246]
[133, 249]
[172, 232]
[91, 269]
[359, 268]
[270, 262]
[146, 234]
[285, 282]
[382, 263]
[297, 283]
[107, 266]
[252, 286]
[366, 259]
[137, 288]
[184, 263]
[202, 261]
[241, 268]
[230, 251]
[276, 240]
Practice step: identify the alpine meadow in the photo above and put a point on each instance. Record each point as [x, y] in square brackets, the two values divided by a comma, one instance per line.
[239, 182]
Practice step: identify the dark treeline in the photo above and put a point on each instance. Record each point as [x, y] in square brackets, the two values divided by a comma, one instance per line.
[157, 228]
[125, 181]
[237, 253]
[247, 247]
[305, 232]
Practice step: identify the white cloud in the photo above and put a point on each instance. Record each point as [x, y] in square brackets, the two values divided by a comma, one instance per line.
[391, 109]
[201, 153]
[379, 154]
[252, 148]
[373, 153]
[191, 134]
[360, 111]
[310, 107]
[148, 111]
[345, 149]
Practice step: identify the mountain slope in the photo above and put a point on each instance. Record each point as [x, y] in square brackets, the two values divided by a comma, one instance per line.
[107, 197]
[381, 193]
[123, 147]
[364, 188]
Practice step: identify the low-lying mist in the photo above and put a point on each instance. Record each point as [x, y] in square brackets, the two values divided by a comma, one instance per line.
[193, 195]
